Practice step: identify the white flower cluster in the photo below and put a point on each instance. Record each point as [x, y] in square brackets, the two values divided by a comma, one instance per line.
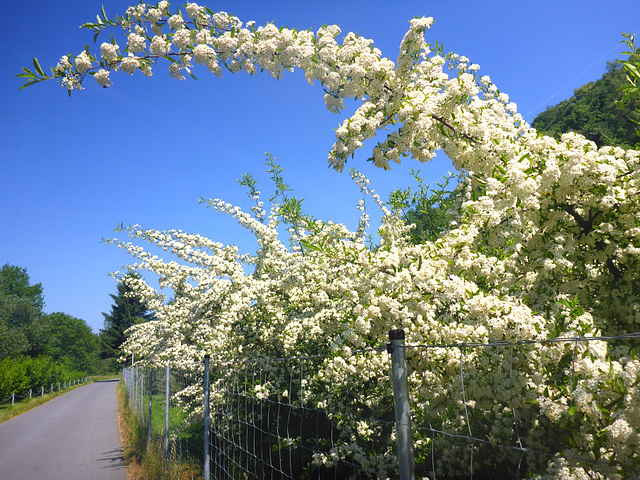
[102, 77]
[109, 52]
[547, 243]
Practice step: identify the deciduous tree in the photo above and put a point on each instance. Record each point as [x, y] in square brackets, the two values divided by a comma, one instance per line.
[71, 341]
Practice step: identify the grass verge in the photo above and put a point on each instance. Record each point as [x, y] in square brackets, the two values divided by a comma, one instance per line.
[145, 460]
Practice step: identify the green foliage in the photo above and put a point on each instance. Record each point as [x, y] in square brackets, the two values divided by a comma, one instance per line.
[15, 281]
[632, 67]
[126, 311]
[22, 331]
[26, 330]
[604, 111]
[290, 207]
[13, 341]
[18, 375]
[430, 210]
[72, 342]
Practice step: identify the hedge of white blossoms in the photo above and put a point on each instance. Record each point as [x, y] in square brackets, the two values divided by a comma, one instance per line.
[547, 244]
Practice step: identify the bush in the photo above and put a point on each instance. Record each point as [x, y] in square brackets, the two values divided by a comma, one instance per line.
[19, 375]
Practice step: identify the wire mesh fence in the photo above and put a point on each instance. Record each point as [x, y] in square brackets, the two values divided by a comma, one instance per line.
[168, 403]
[335, 416]
[500, 428]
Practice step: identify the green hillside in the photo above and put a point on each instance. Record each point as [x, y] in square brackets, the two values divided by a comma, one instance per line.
[596, 110]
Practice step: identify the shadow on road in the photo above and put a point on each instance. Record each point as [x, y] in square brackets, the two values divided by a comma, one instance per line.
[112, 459]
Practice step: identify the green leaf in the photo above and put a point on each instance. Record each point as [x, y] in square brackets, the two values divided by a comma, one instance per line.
[29, 84]
[632, 69]
[36, 64]
[572, 409]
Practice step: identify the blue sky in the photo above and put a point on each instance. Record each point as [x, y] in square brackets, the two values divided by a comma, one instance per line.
[144, 150]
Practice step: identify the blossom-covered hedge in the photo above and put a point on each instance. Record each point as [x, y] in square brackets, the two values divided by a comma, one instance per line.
[547, 243]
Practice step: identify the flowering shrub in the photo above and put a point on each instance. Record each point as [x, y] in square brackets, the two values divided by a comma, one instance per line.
[547, 243]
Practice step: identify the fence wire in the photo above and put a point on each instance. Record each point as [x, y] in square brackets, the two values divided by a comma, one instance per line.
[332, 416]
[168, 404]
[41, 391]
[509, 439]
[274, 418]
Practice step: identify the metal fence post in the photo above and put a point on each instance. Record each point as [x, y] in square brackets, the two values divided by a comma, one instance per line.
[139, 392]
[135, 391]
[150, 403]
[30, 393]
[166, 415]
[406, 461]
[13, 399]
[207, 420]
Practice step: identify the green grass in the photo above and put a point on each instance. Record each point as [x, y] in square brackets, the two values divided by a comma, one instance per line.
[176, 415]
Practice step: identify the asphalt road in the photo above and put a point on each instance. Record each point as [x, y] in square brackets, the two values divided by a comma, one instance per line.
[72, 437]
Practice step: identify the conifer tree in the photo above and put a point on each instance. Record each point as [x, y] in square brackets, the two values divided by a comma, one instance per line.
[126, 311]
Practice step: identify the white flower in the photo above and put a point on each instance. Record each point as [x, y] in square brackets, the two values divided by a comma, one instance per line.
[194, 10]
[109, 52]
[102, 77]
[175, 70]
[159, 45]
[620, 430]
[130, 63]
[422, 22]
[154, 15]
[175, 21]
[181, 38]
[203, 54]
[63, 63]
[137, 12]
[83, 62]
[135, 43]
[71, 82]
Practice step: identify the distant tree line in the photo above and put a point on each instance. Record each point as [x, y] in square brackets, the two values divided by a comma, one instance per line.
[58, 339]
